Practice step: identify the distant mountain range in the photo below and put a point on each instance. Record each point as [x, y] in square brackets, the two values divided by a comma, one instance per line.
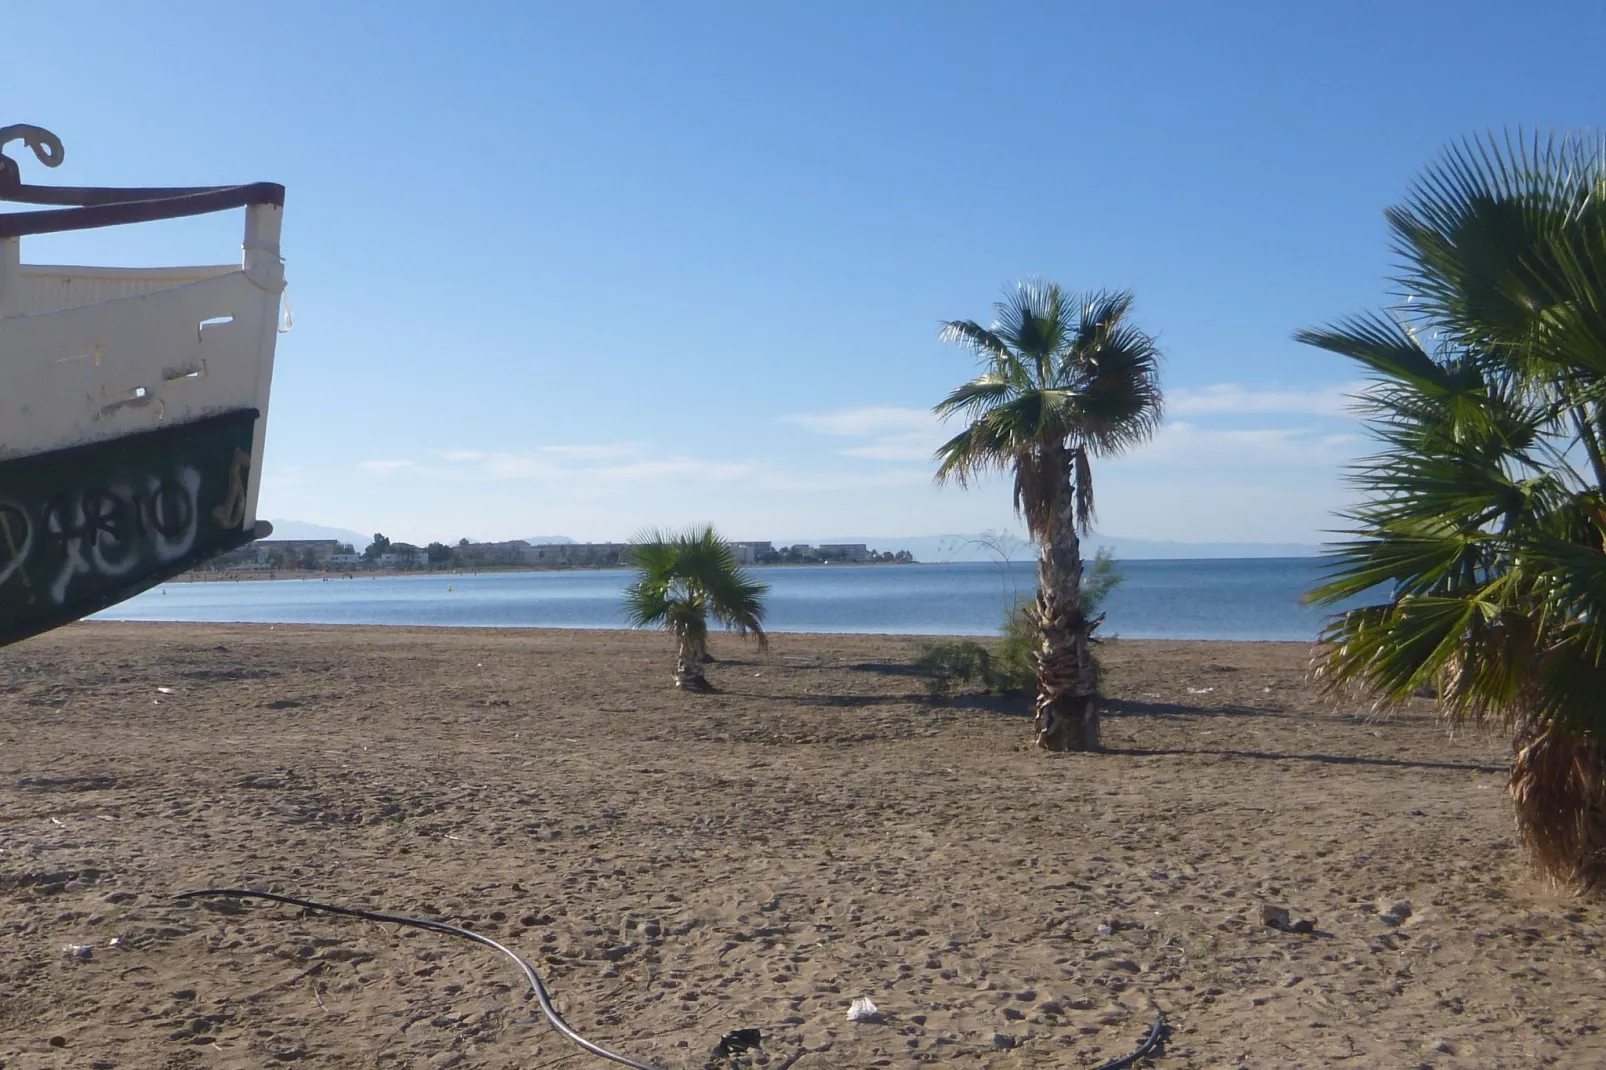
[300, 529]
[928, 548]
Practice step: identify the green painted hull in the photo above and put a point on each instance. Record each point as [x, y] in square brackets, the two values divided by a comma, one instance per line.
[84, 528]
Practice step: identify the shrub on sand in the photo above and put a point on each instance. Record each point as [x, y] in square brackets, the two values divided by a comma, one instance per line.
[953, 663]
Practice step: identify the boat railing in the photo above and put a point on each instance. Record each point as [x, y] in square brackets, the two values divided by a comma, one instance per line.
[28, 289]
[88, 207]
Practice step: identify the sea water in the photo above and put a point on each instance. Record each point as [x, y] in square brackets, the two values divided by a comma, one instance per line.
[1256, 599]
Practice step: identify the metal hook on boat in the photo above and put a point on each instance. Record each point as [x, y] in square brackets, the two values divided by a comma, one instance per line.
[46, 147]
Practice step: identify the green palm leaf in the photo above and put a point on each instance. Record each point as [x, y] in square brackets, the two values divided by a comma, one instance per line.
[685, 578]
[1065, 378]
[1480, 541]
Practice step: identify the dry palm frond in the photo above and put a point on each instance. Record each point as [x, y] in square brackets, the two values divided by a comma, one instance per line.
[1558, 787]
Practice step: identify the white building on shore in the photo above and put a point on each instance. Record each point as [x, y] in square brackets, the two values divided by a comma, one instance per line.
[748, 553]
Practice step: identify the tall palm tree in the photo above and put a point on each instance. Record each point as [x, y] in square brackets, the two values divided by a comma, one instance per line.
[1065, 378]
[682, 580]
[1482, 535]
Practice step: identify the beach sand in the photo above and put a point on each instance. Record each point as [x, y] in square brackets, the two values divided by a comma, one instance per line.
[682, 865]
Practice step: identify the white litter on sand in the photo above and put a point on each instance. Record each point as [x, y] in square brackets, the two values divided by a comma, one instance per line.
[863, 1010]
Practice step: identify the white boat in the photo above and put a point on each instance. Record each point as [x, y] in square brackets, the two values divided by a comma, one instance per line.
[133, 401]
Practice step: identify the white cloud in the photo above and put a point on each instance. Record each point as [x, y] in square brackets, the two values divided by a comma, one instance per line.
[1333, 399]
[1238, 463]
[916, 446]
[574, 465]
[1181, 444]
[864, 423]
[904, 435]
[892, 434]
[804, 483]
[598, 452]
[676, 468]
[511, 466]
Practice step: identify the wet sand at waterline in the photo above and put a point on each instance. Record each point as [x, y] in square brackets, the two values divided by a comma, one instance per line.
[682, 865]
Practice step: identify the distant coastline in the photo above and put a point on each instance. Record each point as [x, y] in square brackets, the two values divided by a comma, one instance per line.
[207, 575]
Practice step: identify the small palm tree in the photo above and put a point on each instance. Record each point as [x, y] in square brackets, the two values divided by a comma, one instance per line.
[1481, 537]
[1065, 379]
[684, 579]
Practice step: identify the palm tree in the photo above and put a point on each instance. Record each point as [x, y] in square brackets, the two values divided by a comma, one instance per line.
[684, 579]
[1483, 523]
[1065, 379]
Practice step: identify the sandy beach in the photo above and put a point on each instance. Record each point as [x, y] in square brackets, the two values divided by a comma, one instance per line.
[682, 865]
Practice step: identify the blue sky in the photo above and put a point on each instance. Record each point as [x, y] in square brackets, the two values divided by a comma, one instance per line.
[581, 268]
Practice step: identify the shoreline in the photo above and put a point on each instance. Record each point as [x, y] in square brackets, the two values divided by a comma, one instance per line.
[620, 633]
[601, 630]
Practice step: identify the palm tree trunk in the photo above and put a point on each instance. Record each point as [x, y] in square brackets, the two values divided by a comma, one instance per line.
[1558, 789]
[1067, 683]
[689, 662]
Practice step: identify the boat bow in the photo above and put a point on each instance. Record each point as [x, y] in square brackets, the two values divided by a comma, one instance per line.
[133, 401]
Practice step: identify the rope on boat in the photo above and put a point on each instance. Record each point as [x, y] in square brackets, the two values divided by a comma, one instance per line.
[530, 975]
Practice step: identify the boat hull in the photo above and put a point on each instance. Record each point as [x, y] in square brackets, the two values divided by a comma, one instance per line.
[84, 527]
[133, 401]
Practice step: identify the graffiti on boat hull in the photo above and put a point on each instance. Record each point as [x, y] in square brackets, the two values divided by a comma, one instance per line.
[86, 527]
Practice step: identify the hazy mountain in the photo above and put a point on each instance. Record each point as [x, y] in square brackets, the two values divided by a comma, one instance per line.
[547, 540]
[300, 529]
[982, 547]
[1152, 549]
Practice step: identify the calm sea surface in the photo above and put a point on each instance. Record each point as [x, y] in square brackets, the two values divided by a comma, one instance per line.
[1197, 599]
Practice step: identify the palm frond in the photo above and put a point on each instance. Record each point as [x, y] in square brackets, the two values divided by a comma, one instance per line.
[1033, 318]
[1042, 484]
[1067, 378]
[974, 452]
[972, 334]
[683, 578]
[647, 604]
[1384, 346]
[1084, 489]
[975, 398]
[1392, 650]
[1100, 313]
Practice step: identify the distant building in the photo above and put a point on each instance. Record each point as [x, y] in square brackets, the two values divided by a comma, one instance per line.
[749, 552]
[321, 549]
[845, 551]
[512, 546]
[277, 553]
[544, 553]
[404, 559]
[570, 554]
[476, 554]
